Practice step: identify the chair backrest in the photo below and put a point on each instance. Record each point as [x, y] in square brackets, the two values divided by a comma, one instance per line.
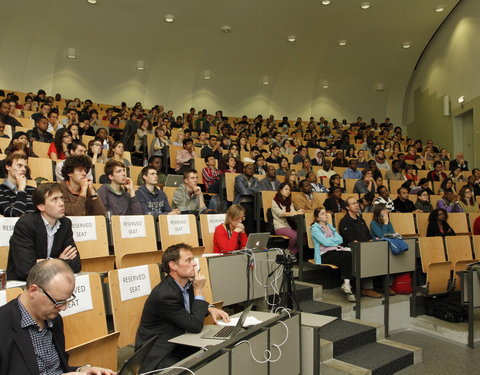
[403, 223]
[178, 228]
[85, 320]
[208, 223]
[434, 199]
[7, 295]
[4, 142]
[90, 235]
[458, 222]
[40, 149]
[458, 248]
[173, 154]
[7, 225]
[422, 223]
[471, 219]
[230, 185]
[26, 122]
[476, 246]
[133, 172]
[133, 234]
[129, 289]
[169, 191]
[41, 167]
[394, 185]
[422, 174]
[350, 184]
[267, 198]
[431, 251]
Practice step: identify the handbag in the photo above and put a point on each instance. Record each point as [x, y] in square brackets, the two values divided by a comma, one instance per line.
[397, 245]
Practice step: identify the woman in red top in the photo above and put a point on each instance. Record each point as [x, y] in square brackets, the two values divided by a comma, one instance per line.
[58, 148]
[231, 235]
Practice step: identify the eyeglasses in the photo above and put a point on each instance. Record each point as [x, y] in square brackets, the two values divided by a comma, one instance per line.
[58, 303]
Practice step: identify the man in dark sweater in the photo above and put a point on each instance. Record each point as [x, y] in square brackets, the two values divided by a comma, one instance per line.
[5, 117]
[402, 203]
[213, 148]
[353, 228]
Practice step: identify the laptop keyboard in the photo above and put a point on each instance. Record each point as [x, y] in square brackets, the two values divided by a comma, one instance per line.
[225, 331]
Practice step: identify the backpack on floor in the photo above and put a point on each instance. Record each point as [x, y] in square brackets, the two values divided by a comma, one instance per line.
[402, 283]
[447, 308]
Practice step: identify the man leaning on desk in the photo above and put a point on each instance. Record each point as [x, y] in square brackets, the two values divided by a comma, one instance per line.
[175, 306]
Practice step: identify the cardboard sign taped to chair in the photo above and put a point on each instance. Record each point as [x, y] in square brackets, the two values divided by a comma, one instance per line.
[178, 224]
[83, 297]
[84, 228]
[132, 226]
[214, 221]
[6, 228]
[134, 282]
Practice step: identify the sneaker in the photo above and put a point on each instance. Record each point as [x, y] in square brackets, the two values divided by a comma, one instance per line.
[371, 293]
[351, 298]
[346, 288]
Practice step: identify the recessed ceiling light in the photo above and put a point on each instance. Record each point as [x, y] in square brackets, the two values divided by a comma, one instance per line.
[461, 99]
[342, 43]
[365, 5]
[140, 65]
[325, 85]
[72, 53]
[265, 81]
[169, 18]
[226, 29]
[291, 38]
[207, 74]
[326, 2]
[92, 1]
[439, 8]
[406, 45]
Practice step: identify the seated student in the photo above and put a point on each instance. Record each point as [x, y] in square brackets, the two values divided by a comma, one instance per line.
[188, 196]
[39, 133]
[423, 203]
[305, 201]
[259, 166]
[437, 224]
[282, 212]
[380, 224]
[245, 188]
[213, 148]
[317, 187]
[116, 153]
[447, 184]
[33, 320]
[425, 185]
[95, 151]
[437, 174]
[306, 168]
[366, 203]
[402, 202]
[118, 195]
[211, 175]
[336, 181]
[275, 156]
[185, 157]
[328, 250]
[395, 173]
[384, 197]
[319, 158]
[154, 161]
[458, 162]
[152, 199]
[270, 182]
[58, 148]
[15, 194]
[449, 202]
[352, 171]
[230, 235]
[467, 201]
[284, 167]
[78, 192]
[43, 234]
[366, 183]
[75, 148]
[326, 172]
[175, 306]
[302, 154]
[334, 203]
[380, 159]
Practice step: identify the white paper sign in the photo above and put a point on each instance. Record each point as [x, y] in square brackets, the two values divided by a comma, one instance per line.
[134, 282]
[178, 224]
[84, 228]
[3, 297]
[132, 226]
[214, 221]
[83, 297]
[6, 229]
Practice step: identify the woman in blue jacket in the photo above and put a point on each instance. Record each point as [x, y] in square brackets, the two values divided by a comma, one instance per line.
[380, 225]
[328, 250]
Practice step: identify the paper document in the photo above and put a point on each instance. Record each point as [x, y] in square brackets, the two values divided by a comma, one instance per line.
[250, 321]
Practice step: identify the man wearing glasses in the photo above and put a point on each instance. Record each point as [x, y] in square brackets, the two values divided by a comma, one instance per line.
[32, 330]
[41, 235]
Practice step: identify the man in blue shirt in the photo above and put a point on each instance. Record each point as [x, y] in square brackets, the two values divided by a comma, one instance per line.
[352, 172]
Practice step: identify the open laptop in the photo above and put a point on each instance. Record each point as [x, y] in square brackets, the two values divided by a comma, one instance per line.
[174, 180]
[132, 365]
[224, 333]
[257, 241]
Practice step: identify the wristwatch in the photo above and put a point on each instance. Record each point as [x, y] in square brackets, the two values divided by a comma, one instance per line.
[78, 369]
[210, 305]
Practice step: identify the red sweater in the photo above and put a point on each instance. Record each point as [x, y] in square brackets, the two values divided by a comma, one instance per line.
[223, 244]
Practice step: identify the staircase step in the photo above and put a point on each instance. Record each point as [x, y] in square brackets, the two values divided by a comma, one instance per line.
[304, 292]
[322, 308]
[380, 359]
[347, 335]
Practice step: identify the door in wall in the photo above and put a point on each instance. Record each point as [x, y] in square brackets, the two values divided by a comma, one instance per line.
[464, 136]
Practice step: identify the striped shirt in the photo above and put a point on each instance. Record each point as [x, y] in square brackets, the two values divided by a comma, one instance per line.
[14, 203]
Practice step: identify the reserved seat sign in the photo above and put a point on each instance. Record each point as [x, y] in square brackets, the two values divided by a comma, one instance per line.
[134, 282]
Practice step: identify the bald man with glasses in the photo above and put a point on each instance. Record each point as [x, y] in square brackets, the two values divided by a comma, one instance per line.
[32, 329]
